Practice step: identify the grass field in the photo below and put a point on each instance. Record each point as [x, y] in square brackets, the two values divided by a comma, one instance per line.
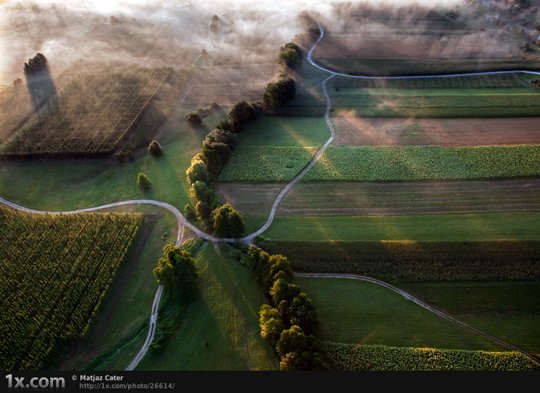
[219, 330]
[350, 357]
[120, 329]
[436, 227]
[490, 102]
[69, 184]
[409, 261]
[285, 131]
[404, 163]
[357, 312]
[56, 271]
[507, 310]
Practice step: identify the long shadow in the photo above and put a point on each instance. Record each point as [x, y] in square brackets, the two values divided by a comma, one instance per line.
[40, 85]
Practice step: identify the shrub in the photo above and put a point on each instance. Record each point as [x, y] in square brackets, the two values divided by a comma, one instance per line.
[143, 182]
[155, 148]
[193, 119]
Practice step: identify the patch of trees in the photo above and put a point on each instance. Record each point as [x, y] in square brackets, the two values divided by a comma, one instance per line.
[278, 93]
[176, 271]
[289, 320]
[290, 55]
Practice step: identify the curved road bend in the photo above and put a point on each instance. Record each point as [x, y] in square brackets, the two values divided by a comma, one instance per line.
[182, 222]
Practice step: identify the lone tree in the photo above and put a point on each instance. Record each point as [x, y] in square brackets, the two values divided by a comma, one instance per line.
[176, 271]
[227, 222]
[40, 84]
[193, 119]
[155, 148]
[143, 182]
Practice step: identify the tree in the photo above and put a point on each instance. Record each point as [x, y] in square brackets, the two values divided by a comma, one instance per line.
[199, 191]
[189, 213]
[301, 312]
[193, 119]
[203, 210]
[197, 171]
[283, 293]
[270, 323]
[176, 271]
[143, 182]
[290, 55]
[227, 222]
[278, 93]
[242, 113]
[155, 148]
[299, 351]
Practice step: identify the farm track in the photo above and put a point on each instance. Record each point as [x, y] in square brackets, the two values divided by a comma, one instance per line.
[183, 222]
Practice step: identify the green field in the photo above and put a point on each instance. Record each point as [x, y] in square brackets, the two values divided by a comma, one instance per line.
[285, 131]
[350, 357]
[357, 312]
[219, 330]
[69, 184]
[403, 163]
[506, 310]
[436, 227]
[411, 261]
[490, 102]
[121, 328]
[55, 272]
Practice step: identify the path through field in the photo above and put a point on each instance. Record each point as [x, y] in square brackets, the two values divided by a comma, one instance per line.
[183, 222]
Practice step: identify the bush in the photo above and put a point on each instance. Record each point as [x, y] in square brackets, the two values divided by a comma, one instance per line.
[143, 182]
[193, 119]
[155, 148]
[227, 222]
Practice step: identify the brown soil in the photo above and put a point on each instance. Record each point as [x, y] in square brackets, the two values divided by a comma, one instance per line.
[355, 131]
[349, 199]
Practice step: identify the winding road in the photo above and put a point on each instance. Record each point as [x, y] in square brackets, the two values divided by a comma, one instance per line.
[183, 222]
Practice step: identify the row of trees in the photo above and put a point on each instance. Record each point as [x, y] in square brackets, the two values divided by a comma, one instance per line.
[289, 320]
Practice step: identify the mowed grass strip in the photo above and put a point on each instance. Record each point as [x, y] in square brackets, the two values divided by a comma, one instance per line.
[396, 163]
[436, 227]
[508, 310]
[220, 329]
[407, 261]
[55, 271]
[350, 357]
[357, 312]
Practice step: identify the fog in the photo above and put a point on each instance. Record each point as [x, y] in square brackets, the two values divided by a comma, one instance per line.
[81, 35]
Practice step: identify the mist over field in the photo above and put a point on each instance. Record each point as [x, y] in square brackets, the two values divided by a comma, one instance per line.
[156, 33]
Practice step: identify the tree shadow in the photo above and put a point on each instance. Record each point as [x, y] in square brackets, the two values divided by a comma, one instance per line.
[40, 85]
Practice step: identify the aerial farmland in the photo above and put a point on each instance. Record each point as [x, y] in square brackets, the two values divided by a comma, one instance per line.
[231, 186]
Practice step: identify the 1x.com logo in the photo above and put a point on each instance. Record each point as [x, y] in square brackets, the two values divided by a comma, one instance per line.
[35, 382]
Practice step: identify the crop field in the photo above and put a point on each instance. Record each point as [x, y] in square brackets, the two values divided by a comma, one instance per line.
[430, 103]
[388, 198]
[220, 329]
[56, 271]
[433, 227]
[352, 130]
[410, 261]
[404, 163]
[352, 357]
[95, 113]
[508, 310]
[354, 312]
[15, 109]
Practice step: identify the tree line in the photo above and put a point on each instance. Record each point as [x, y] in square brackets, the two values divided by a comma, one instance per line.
[288, 320]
